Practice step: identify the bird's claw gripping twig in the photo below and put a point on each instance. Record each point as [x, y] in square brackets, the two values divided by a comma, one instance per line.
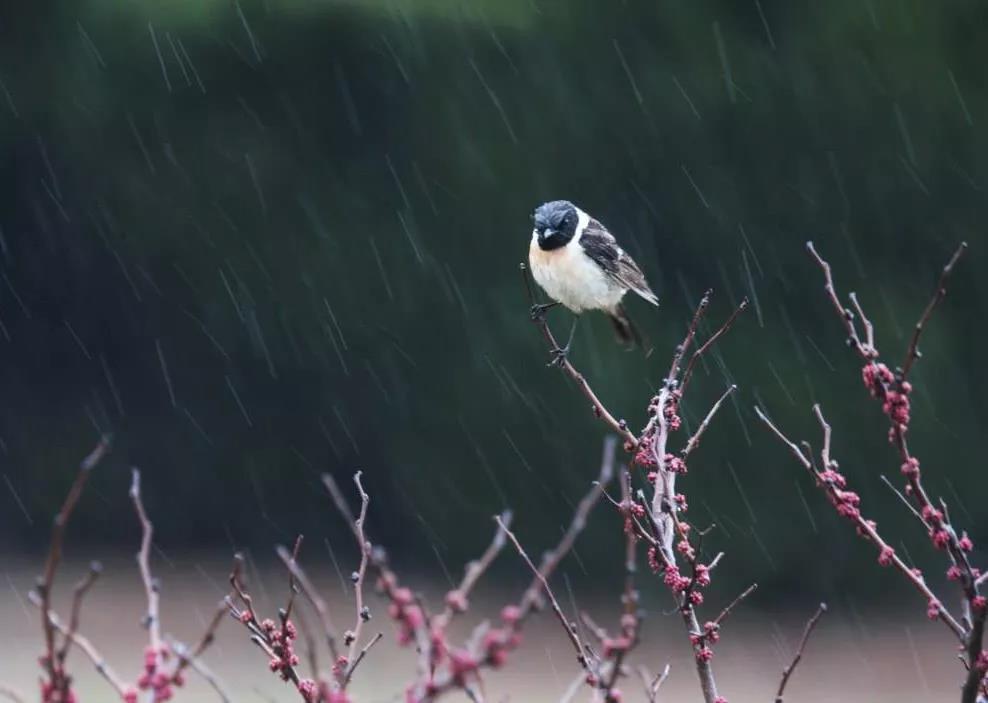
[540, 309]
[558, 356]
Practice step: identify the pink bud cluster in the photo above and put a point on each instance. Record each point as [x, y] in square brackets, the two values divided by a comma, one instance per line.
[58, 689]
[645, 456]
[153, 679]
[894, 393]
[846, 502]
[281, 640]
[403, 608]
[319, 692]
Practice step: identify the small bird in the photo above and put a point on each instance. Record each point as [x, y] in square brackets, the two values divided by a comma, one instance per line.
[578, 263]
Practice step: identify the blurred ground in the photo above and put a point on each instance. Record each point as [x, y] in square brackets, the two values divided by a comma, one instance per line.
[868, 656]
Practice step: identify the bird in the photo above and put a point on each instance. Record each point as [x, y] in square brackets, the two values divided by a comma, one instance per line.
[579, 264]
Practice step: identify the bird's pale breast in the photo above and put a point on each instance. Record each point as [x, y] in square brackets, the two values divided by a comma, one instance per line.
[569, 276]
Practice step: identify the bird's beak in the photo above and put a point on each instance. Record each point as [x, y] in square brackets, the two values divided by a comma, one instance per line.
[546, 233]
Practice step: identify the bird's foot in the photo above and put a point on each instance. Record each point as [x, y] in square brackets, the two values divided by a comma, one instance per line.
[559, 356]
[540, 309]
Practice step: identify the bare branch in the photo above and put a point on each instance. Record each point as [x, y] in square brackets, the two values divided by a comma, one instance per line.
[358, 582]
[618, 426]
[787, 672]
[574, 638]
[695, 439]
[474, 570]
[78, 593]
[152, 620]
[86, 646]
[912, 353]
[688, 374]
[868, 530]
[47, 579]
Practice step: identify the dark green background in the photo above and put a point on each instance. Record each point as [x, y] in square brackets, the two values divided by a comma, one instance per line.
[380, 159]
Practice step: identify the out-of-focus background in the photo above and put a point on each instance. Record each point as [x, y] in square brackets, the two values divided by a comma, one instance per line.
[266, 239]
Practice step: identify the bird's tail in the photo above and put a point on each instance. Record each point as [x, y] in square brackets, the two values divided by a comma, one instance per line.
[624, 328]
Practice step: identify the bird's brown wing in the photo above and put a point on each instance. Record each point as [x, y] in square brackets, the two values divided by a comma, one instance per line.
[603, 249]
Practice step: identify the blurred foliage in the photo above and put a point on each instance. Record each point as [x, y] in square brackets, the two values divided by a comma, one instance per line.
[267, 239]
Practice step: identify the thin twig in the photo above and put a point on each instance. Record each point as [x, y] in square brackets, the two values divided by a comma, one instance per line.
[11, 695]
[787, 672]
[618, 426]
[551, 559]
[78, 593]
[47, 580]
[653, 683]
[193, 662]
[358, 583]
[728, 323]
[912, 352]
[360, 656]
[151, 588]
[693, 441]
[574, 638]
[730, 606]
[868, 530]
[474, 570]
[99, 662]
[310, 592]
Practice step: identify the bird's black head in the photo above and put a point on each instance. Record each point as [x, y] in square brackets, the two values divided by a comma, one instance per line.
[555, 223]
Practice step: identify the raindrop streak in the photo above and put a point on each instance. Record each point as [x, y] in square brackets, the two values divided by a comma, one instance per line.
[178, 59]
[250, 34]
[380, 266]
[722, 53]
[18, 500]
[747, 243]
[161, 59]
[627, 72]
[209, 336]
[77, 339]
[90, 45]
[838, 179]
[54, 199]
[764, 549]
[917, 662]
[960, 98]
[915, 176]
[112, 385]
[20, 303]
[10, 100]
[497, 102]
[198, 427]
[236, 397]
[140, 142]
[346, 428]
[397, 60]
[351, 107]
[782, 384]
[806, 507]
[751, 288]
[792, 335]
[257, 185]
[768, 31]
[336, 325]
[686, 97]
[411, 238]
[820, 352]
[164, 372]
[900, 120]
[51, 171]
[744, 498]
[695, 187]
[192, 67]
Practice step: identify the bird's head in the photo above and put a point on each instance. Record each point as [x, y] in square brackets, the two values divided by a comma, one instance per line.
[555, 223]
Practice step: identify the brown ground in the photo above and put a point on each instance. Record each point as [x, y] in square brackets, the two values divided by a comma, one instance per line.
[870, 659]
